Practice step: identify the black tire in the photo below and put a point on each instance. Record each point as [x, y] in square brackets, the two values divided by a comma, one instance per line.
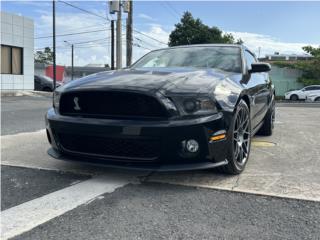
[268, 122]
[294, 97]
[239, 130]
[317, 99]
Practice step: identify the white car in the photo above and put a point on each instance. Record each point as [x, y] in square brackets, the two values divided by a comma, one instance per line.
[313, 97]
[302, 93]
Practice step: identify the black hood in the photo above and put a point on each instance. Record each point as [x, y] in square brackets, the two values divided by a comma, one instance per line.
[165, 80]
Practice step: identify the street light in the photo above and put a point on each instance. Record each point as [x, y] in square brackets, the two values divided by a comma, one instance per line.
[71, 58]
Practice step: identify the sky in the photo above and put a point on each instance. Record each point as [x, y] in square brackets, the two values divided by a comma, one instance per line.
[269, 26]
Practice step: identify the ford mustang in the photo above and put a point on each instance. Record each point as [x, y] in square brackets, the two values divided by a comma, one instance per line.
[180, 108]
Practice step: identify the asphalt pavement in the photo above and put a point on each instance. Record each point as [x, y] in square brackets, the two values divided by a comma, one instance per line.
[162, 211]
[20, 185]
[23, 113]
[44, 198]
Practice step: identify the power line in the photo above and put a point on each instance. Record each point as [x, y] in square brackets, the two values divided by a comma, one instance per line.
[138, 45]
[96, 40]
[70, 34]
[145, 42]
[167, 7]
[84, 10]
[171, 6]
[97, 15]
[149, 37]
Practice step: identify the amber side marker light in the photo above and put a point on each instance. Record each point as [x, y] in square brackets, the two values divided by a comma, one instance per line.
[218, 137]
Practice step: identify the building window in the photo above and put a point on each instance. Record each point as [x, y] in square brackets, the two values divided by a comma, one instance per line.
[11, 60]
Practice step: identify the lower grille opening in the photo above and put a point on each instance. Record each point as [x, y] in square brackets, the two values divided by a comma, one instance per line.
[115, 148]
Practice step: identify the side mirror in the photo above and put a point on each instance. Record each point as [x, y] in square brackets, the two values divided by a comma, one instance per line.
[260, 67]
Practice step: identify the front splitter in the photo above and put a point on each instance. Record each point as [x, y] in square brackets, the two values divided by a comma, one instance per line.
[132, 166]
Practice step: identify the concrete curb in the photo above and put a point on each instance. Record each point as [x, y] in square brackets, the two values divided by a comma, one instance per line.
[20, 93]
[297, 104]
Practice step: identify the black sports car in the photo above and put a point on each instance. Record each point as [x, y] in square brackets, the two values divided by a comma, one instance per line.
[187, 107]
[44, 83]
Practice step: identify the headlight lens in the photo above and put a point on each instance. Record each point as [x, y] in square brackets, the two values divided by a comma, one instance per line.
[195, 105]
[56, 99]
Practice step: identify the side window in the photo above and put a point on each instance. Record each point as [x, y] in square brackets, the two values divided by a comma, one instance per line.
[308, 88]
[314, 88]
[249, 59]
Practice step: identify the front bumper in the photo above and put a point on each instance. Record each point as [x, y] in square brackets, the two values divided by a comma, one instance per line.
[169, 153]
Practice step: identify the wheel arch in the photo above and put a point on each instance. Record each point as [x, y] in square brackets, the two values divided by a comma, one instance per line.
[247, 100]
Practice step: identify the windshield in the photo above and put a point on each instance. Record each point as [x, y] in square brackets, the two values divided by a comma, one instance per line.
[223, 58]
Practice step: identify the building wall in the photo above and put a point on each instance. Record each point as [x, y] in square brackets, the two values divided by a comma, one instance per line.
[18, 31]
[285, 79]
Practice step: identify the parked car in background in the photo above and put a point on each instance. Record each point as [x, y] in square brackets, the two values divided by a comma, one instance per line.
[180, 108]
[313, 97]
[44, 83]
[302, 93]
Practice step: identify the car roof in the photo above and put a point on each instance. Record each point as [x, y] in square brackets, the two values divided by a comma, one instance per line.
[206, 45]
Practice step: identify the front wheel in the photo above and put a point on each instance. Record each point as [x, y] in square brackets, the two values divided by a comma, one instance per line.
[240, 140]
[294, 97]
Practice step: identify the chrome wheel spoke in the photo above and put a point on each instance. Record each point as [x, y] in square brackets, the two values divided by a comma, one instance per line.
[241, 136]
[241, 155]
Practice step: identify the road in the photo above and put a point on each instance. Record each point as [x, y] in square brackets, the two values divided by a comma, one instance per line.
[277, 197]
[23, 114]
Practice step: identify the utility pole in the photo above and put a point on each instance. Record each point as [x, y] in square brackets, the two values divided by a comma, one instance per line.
[112, 44]
[72, 61]
[54, 42]
[129, 33]
[119, 38]
[72, 58]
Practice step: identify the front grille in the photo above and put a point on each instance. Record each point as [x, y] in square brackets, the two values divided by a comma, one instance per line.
[111, 104]
[118, 148]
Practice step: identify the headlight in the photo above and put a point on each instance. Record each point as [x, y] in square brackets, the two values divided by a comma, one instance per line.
[56, 99]
[194, 105]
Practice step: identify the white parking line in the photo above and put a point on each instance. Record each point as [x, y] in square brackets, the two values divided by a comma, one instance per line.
[26, 216]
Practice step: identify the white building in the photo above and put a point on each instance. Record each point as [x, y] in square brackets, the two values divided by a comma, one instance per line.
[17, 45]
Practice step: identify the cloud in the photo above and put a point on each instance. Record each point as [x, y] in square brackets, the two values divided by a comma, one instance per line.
[97, 49]
[145, 16]
[268, 44]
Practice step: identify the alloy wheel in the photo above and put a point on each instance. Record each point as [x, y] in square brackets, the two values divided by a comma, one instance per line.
[241, 137]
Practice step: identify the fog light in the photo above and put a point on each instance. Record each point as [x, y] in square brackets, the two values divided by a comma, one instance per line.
[192, 146]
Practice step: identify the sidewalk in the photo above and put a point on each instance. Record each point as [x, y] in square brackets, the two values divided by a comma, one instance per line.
[17, 93]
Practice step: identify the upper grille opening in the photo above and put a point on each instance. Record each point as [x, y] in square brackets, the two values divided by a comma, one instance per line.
[111, 105]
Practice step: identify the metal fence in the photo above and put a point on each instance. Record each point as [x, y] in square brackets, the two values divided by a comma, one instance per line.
[285, 79]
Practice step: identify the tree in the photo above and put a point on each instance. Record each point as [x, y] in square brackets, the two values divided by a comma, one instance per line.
[310, 68]
[192, 31]
[45, 56]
